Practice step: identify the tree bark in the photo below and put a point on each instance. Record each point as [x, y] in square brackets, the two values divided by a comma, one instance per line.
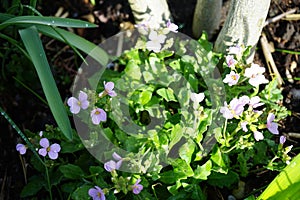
[243, 25]
[153, 12]
[207, 17]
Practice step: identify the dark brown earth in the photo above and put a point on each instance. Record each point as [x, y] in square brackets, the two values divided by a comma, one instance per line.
[29, 113]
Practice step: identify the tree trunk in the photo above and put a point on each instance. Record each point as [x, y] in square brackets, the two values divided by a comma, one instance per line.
[243, 25]
[207, 17]
[153, 12]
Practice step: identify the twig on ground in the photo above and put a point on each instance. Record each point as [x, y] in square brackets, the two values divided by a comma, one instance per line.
[269, 59]
[294, 135]
[278, 17]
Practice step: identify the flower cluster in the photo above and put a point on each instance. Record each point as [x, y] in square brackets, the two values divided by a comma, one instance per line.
[254, 73]
[97, 115]
[157, 37]
[113, 165]
[47, 149]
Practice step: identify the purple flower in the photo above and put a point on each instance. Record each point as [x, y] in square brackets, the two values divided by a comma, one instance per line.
[21, 148]
[98, 115]
[258, 136]
[230, 61]
[155, 41]
[255, 102]
[108, 89]
[137, 188]
[234, 109]
[96, 193]
[171, 26]
[272, 126]
[255, 73]
[52, 150]
[76, 104]
[244, 100]
[282, 139]
[231, 78]
[244, 126]
[236, 50]
[113, 165]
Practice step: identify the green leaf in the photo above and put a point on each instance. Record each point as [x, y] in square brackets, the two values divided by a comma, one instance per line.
[34, 185]
[35, 49]
[81, 193]
[145, 97]
[167, 94]
[71, 171]
[202, 172]
[223, 180]
[286, 183]
[53, 21]
[186, 151]
[133, 70]
[217, 158]
[84, 45]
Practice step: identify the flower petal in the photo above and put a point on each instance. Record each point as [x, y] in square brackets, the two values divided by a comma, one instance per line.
[52, 155]
[44, 142]
[110, 165]
[273, 128]
[43, 152]
[82, 96]
[258, 135]
[116, 156]
[270, 118]
[93, 192]
[55, 147]
[109, 86]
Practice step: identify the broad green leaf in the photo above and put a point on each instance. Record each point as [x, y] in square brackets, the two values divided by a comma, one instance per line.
[176, 135]
[202, 172]
[133, 70]
[71, 171]
[167, 94]
[34, 185]
[53, 21]
[286, 183]
[168, 177]
[186, 151]
[145, 97]
[218, 160]
[81, 193]
[223, 180]
[35, 49]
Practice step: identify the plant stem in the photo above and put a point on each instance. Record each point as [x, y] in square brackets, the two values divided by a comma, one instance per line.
[48, 181]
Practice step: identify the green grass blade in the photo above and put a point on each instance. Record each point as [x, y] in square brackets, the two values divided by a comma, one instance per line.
[286, 185]
[35, 49]
[50, 21]
[84, 45]
[80, 43]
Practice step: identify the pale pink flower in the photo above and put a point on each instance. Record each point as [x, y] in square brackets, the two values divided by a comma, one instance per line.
[77, 104]
[258, 136]
[98, 115]
[244, 126]
[255, 75]
[108, 89]
[21, 148]
[234, 109]
[231, 78]
[272, 126]
[155, 41]
[137, 188]
[282, 139]
[236, 50]
[171, 26]
[230, 61]
[255, 102]
[96, 193]
[52, 150]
